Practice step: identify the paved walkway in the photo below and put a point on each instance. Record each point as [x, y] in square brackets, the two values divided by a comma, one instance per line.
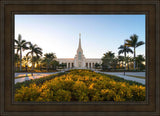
[141, 74]
[121, 74]
[35, 76]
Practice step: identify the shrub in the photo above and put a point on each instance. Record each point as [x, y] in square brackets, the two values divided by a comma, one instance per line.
[28, 93]
[80, 85]
[62, 95]
[80, 91]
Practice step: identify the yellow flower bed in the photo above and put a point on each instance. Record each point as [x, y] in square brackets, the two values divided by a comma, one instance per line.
[81, 85]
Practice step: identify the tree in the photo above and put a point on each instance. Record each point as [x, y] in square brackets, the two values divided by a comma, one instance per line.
[54, 64]
[26, 60]
[97, 65]
[133, 42]
[16, 60]
[114, 63]
[124, 49]
[121, 59]
[139, 61]
[49, 57]
[38, 62]
[63, 65]
[35, 60]
[128, 61]
[34, 50]
[21, 45]
[107, 60]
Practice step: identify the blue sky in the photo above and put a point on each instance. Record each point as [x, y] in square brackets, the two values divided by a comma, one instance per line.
[99, 33]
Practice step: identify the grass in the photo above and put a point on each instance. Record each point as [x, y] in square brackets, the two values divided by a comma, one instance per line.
[136, 76]
[23, 76]
[119, 79]
[122, 70]
[37, 81]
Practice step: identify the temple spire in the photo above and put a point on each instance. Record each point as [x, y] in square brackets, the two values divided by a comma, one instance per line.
[79, 47]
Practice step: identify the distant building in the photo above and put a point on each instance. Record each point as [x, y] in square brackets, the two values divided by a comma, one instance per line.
[79, 61]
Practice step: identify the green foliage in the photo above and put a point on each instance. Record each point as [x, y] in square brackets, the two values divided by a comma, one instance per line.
[107, 60]
[119, 79]
[36, 81]
[82, 86]
[28, 93]
[49, 59]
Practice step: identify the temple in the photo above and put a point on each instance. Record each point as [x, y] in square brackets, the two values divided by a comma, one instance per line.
[79, 61]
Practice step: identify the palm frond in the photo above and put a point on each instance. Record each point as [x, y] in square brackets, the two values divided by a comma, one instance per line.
[28, 53]
[19, 37]
[120, 52]
[23, 42]
[16, 41]
[121, 47]
[139, 43]
[129, 50]
[129, 45]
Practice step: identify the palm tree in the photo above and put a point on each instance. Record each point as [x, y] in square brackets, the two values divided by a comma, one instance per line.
[96, 65]
[21, 45]
[133, 42]
[128, 61]
[35, 59]
[26, 60]
[48, 59]
[63, 65]
[114, 63]
[54, 64]
[120, 59]
[34, 50]
[107, 60]
[139, 62]
[131, 60]
[16, 60]
[38, 62]
[124, 49]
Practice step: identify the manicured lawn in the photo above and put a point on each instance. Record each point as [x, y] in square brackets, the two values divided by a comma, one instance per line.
[38, 81]
[136, 76]
[119, 79]
[23, 76]
[81, 86]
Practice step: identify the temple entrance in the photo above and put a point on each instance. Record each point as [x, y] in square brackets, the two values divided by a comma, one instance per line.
[79, 64]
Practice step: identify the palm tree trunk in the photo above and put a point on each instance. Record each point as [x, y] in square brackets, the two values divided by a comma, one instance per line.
[17, 62]
[32, 64]
[122, 64]
[125, 62]
[16, 66]
[48, 67]
[20, 59]
[125, 59]
[134, 58]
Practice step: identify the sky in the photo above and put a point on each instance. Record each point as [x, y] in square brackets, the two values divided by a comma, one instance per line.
[99, 33]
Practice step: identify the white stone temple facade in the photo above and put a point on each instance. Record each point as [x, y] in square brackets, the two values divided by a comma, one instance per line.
[79, 61]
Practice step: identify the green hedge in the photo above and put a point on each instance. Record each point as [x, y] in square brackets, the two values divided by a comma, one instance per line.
[82, 86]
[37, 81]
